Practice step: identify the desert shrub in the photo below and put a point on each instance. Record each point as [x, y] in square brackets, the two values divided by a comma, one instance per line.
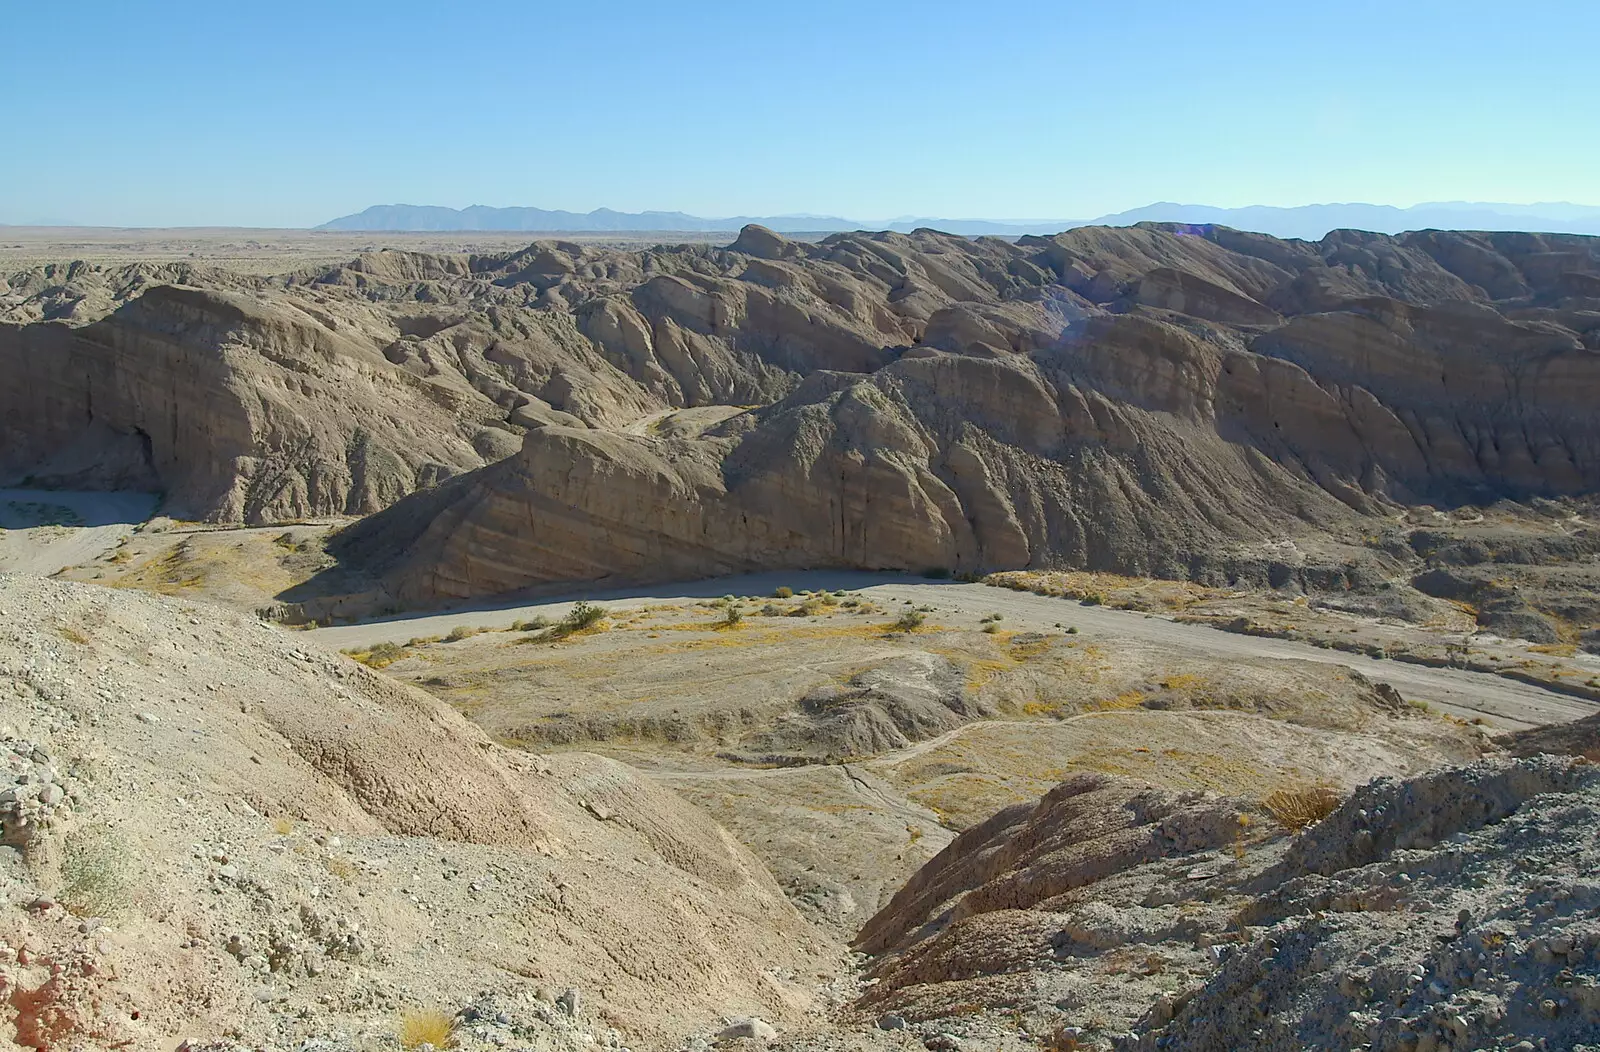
[1072, 631]
[343, 868]
[583, 614]
[990, 627]
[784, 592]
[806, 609]
[96, 881]
[1295, 809]
[1093, 599]
[379, 655]
[771, 610]
[532, 624]
[283, 825]
[733, 616]
[909, 621]
[460, 632]
[426, 1026]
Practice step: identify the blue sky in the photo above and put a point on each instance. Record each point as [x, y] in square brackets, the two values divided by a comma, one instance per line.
[290, 113]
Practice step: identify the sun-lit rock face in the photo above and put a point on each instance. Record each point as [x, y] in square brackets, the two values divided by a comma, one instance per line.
[1124, 398]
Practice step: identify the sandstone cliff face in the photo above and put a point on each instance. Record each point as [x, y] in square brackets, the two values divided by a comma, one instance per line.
[241, 414]
[1118, 398]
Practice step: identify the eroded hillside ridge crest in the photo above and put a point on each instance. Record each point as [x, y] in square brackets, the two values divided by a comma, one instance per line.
[1129, 399]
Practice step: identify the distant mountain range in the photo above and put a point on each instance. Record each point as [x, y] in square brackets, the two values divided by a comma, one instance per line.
[1310, 222]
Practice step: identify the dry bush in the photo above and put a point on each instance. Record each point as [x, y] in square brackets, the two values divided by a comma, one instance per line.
[283, 825]
[1295, 809]
[96, 881]
[783, 593]
[380, 656]
[583, 615]
[426, 1026]
[910, 621]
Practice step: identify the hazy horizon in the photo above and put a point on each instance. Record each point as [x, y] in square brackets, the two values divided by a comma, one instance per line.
[191, 114]
[1543, 209]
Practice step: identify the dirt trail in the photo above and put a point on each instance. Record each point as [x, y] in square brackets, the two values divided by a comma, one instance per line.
[1499, 702]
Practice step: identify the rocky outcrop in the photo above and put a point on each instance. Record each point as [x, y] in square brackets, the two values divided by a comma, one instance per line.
[1450, 910]
[238, 412]
[939, 460]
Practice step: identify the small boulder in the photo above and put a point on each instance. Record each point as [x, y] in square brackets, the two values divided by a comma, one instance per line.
[753, 1028]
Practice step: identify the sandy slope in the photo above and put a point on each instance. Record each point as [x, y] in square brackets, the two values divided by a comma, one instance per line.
[294, 846]
[42, 531]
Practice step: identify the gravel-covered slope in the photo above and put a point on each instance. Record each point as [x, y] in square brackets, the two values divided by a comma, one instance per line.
[216, 829]
[1458, 909]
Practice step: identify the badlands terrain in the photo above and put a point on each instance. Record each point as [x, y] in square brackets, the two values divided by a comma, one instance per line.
[1155, 637]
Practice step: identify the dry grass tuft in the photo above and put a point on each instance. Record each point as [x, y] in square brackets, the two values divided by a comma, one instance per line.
[909, 621]
[97, 881]
[1295, 809]
[381, 655]
[283, 825]
[426, 1026]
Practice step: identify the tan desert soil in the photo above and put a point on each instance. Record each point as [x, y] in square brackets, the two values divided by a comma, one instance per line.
[904, 736]
[228, 831]
[1500, 702]
[43, 532]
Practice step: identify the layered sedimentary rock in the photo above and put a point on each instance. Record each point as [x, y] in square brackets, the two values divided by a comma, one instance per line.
[1117, 398]
[1453, 909]
[1050, 429]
